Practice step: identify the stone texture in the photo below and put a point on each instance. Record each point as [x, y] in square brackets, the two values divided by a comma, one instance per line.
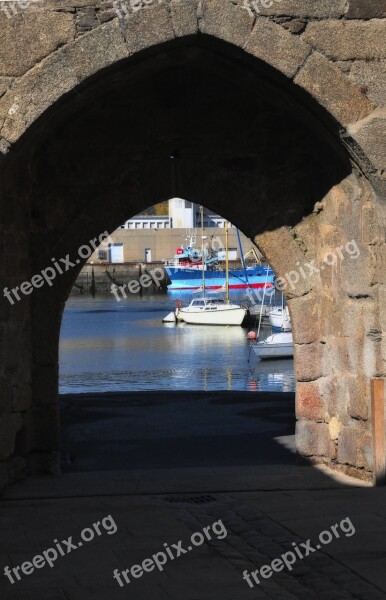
[338, 316]
[5, 83]
[26, 41]
[334, 428]
[96, 50]
[371, 136]
[305, 319]
[304, 8]
[312, 439]
[363, 9]
[345, 40]
[370, 76]
[271, 244]
[309, 361]
[353, 448]
[34, 93]
[148, 27]
[184, 16]
[327, 84]
[277, 47]
[309, 402]
[218, 18]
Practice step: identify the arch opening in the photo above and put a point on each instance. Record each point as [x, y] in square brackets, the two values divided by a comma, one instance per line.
[169, 122]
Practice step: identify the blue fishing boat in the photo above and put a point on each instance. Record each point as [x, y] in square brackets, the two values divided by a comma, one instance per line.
[185, 271]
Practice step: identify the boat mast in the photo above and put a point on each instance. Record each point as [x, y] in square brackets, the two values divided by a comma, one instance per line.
[202, 250]
[242, 258]
[226, 264]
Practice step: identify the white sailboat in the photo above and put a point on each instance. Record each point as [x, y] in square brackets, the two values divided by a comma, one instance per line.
[278, 345]
[213, 311]
[279, 317]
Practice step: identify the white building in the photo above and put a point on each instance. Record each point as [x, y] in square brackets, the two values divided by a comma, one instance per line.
[182, 215]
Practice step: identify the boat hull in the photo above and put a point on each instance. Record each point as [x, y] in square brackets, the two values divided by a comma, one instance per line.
[191, 279]
[232, 316]
[280, 319]
[271, 351]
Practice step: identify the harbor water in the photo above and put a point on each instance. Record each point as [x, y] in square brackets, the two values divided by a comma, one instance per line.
[108, 346]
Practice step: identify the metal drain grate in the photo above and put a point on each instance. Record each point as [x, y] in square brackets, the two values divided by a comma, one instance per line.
[204, 499]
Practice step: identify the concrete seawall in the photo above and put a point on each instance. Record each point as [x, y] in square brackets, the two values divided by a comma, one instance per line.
[98, 278]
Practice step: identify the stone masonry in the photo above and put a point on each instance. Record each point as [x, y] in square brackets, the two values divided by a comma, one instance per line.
[276, 118]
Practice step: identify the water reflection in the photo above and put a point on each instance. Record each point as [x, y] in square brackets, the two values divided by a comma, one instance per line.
[111, 346]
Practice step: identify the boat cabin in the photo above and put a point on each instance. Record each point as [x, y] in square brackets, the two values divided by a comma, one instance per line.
[206, 303]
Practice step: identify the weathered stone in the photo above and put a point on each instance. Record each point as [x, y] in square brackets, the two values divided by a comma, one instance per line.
[5, 83]
[334, 428]
[277, 47]
[363, 9]
[34, 93]
[309, 402]
[87, 20]
[371, 136]
[345, 40]
[308, 362]
[302, 8]
[105, 16]
[290, 279]
[371, 76]
[184, 16]
[348, 273]
[354, 447]
[61, 173]
[295, 26]
[305, 319]
[41, 33]
[312, 439]
[95, 50]
[148, 27]
[333, 90]
[218, 19]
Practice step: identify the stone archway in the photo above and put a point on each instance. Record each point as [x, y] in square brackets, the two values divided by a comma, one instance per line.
[88, 134]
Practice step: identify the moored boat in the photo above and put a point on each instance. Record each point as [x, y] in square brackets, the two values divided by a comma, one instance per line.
[279, 317]
[277, 345]
[212, 311]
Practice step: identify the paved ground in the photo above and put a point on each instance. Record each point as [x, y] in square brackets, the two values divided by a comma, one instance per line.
[176, 430]
[265, 508]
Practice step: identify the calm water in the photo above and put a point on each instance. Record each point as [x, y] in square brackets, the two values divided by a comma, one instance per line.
[110, 346]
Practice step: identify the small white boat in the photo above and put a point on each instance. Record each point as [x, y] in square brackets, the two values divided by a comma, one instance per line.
[170, 318]
[278, 345]
[212, 311]
[279, 317]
